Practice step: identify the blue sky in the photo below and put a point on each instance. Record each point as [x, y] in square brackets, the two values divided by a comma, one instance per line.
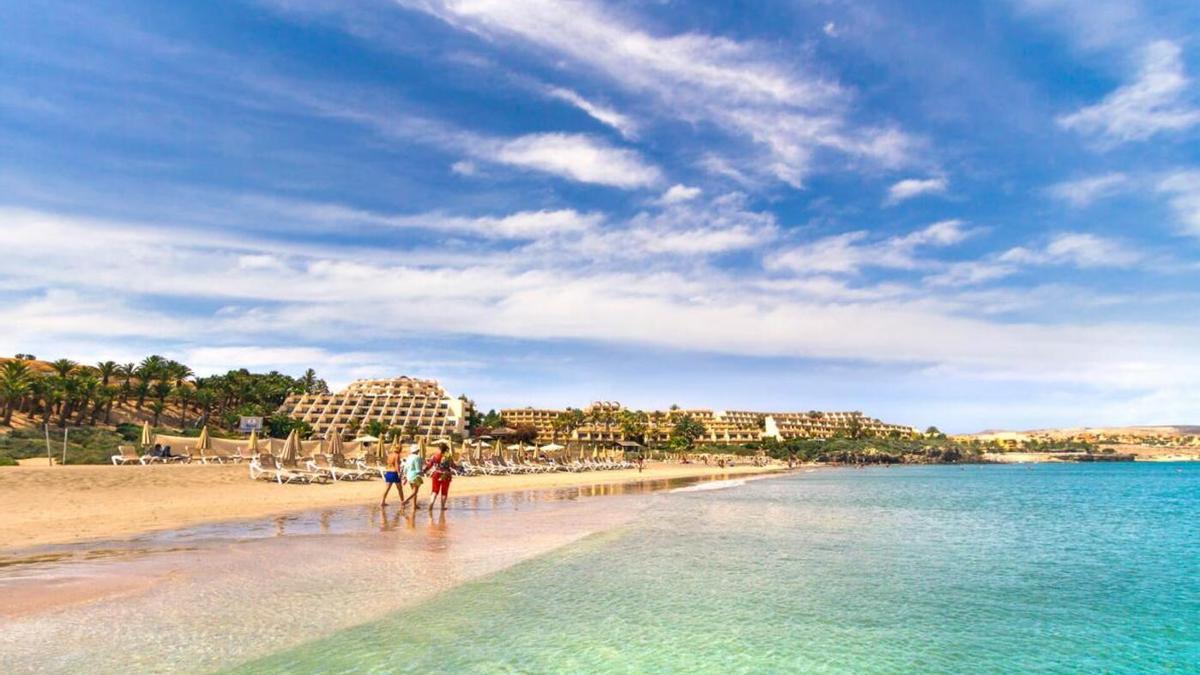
[964, 214]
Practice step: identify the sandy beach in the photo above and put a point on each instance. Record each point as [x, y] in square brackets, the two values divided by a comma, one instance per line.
[67, 504]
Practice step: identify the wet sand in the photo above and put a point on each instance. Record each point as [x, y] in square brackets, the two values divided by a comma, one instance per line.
[64, 504]
[215, 595]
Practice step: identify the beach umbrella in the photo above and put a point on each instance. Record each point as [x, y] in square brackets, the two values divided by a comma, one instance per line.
[253, 442]
[291, 449]
[202, 442]
[551, 447]
[147, 438]
[366, 439]
[336, 450]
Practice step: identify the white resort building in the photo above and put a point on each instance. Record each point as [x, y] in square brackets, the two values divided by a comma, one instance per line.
[601, 423]
[422, 408]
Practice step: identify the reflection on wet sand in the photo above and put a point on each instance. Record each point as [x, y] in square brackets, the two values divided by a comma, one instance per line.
[258, 586]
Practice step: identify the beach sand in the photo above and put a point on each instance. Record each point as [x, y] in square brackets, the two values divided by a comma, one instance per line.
[1143, 453]
[67, 504]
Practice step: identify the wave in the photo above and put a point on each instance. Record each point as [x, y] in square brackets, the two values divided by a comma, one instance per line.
[711, 485]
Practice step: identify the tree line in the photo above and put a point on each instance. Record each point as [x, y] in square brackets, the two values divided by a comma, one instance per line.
[70, 393]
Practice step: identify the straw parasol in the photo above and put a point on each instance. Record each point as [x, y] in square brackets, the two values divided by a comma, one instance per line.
[147, 437]
[336, 450]
[253, 442]
[291, 449]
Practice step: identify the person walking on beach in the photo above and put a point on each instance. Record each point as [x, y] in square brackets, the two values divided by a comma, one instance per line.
[391, 476]
[441, 467]
[414, 472]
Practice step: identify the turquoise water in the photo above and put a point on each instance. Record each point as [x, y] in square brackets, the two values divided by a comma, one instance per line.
[1059, 568]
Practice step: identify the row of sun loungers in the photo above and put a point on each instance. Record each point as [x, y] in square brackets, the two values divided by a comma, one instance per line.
[127, 454]
[497, 467]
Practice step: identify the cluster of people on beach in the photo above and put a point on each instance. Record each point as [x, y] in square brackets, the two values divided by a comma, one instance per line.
[413, 469]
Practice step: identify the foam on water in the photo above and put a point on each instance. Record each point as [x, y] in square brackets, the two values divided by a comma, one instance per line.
[712, 485]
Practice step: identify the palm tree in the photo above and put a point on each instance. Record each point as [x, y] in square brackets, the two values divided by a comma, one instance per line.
[308, 381]
[151, 367]
[126, 371]
[106, 369]
[205, 398]
[177, 372]
[63, 367]
[88, 384]
[143, 390]
[183, 396]
[70, 390]
[16, 381]
[157, 408]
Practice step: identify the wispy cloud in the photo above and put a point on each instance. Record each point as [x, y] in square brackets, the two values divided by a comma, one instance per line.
[1183, 189]
[622, 123]
[1084, 191]
[679, 193]
[1157, 101]
[789, 113]
[1080, 249]
[580, 157]
[851, 252]
[912, 187]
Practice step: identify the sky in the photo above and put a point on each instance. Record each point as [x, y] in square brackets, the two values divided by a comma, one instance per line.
[969, 215]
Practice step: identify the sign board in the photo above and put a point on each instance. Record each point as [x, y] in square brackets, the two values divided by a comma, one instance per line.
[248, 424]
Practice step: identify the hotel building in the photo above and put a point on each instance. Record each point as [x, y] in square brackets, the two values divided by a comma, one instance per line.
[602, 424]
[420, 407]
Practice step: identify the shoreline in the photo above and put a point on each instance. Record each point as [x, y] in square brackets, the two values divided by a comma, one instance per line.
[68, 505]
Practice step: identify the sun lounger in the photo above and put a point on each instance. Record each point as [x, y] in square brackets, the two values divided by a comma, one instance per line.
[213, 456]
[264, 467]
[322, 464]
[309, 476]
[129, 455]
[244, 454]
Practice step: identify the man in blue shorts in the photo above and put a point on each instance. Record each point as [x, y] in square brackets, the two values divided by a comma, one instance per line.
[391, 476]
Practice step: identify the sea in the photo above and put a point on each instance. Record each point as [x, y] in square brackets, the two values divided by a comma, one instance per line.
[1056, 568]
[1071, 568]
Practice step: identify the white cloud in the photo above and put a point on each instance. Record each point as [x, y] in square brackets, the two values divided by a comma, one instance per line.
[848, 254]
[623, 124]
[464, 168]
[749, 90]
[1094, 24]
[519, 225]
[1079, 249]
[580, 157]
[319, 295]
[1157, 101]
[1084, 191]
[830, 29]
[912, 187]
[1184, 190]
[679, 193]
[970, 273]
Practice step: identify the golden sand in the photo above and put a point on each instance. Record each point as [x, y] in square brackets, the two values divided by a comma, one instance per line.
[65, 504]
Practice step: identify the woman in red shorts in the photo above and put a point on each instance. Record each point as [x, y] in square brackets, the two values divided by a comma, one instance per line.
[441, 468]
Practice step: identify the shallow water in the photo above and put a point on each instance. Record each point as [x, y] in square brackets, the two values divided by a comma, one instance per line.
[203, 598]
[1052, 568]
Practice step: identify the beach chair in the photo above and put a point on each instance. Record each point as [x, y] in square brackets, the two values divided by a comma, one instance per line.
[307, 475]
[206, 456]
[264, 467]
[127, 454]
[344, 465]
[322, 465]
[244, 454]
